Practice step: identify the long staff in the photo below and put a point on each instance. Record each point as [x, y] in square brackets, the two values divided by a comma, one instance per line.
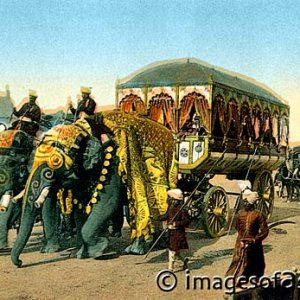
[186, 203]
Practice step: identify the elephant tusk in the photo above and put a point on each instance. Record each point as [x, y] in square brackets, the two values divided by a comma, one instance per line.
[16, 198]
[42, 197]
[4, 202]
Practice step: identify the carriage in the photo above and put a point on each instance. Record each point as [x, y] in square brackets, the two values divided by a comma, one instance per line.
[224, 123]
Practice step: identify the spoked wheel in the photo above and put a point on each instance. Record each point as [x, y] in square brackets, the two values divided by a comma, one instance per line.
[194, 210]
[215, 213]
[264, 185]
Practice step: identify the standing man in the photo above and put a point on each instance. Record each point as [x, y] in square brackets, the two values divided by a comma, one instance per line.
[177, 236]
[248, 257]
[86, 107]
[29, 115]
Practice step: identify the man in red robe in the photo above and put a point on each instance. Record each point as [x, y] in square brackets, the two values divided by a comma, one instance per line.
[248, 256]
[177, 220]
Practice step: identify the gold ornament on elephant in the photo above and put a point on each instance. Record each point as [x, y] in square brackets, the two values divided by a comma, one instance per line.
[109, 149]
[108, 156]
[106, 163]
[65, 204]
[55, 160]
[99, 186]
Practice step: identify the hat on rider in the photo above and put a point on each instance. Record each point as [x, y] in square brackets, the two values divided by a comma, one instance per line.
[175, 194]
[85, 90]
[33, 93]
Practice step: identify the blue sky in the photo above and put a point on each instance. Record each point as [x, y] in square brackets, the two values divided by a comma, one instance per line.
[57, 46]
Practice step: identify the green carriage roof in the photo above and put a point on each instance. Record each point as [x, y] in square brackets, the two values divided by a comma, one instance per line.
[191, 71]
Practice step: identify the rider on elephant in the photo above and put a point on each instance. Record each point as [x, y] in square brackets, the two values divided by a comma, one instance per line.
[29, 115]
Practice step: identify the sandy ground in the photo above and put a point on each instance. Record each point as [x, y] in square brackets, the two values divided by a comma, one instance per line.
[53, 276]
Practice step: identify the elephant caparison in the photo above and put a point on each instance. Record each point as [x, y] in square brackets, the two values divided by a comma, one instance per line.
[131, 157]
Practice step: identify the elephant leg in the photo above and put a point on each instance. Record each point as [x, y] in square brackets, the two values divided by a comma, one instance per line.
[4, 226]
[93, 231]
[118, 221]
[80, 218]
[50, 216]
[7, 220]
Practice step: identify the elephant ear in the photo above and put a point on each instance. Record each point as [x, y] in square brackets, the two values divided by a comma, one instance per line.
[92, 153]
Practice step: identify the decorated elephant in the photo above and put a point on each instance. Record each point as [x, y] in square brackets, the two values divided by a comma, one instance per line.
[15, 149]
[113, 158]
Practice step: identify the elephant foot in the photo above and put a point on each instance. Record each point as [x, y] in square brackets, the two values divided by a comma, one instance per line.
[50, 248]
[138, 247]
[82, 253]
[93, 251]
[3, 241]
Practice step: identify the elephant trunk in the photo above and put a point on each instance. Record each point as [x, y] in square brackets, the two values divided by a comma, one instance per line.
[27, 222]
[5, 200]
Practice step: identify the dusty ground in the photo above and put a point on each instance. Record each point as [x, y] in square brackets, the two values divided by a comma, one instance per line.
[53, 276]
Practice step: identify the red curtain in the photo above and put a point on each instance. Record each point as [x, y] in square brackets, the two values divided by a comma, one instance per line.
[155, 110]
[132, 103]
[203, 110]
[201, 107]
[185, 109]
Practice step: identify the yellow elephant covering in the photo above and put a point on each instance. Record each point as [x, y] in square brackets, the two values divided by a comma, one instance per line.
[146, 151]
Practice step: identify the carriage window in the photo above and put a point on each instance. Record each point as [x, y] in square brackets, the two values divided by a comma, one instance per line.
[275, 131]
[257, 121]
[219, 117]
[266, 127]
[245, 121]
[132, 103]
[194, 114]
[161, 109]
[284, 131]
[233, 119]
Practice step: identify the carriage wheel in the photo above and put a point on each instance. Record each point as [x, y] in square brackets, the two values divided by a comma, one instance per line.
[215, 213]
[264, 185]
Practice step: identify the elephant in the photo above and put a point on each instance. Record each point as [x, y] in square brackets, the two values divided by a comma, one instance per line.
[15, 150]
[108, 160]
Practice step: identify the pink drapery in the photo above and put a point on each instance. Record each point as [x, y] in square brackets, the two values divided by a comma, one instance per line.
[256, 122]
[267, 127]
[275, 127]
[284, 131]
